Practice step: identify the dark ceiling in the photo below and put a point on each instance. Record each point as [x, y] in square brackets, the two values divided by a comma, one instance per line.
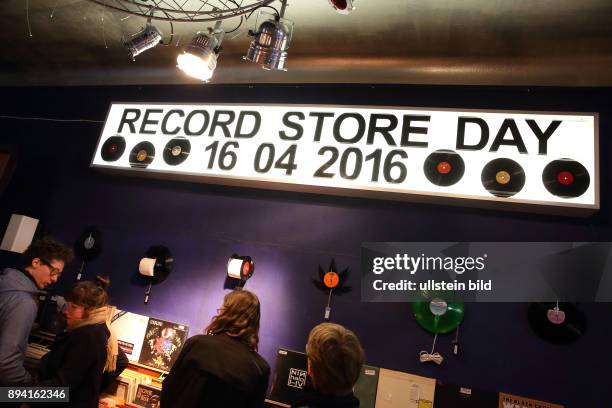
[485, 42]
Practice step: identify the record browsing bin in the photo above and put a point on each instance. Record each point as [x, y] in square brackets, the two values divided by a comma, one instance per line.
[137, 386]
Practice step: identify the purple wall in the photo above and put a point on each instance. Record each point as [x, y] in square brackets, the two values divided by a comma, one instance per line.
[289, 234]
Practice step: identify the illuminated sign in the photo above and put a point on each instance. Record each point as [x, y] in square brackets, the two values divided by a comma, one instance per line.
[499, 159]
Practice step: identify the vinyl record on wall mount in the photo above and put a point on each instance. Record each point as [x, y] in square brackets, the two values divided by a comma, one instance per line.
[438, 316]
[503, 177]
[566, 178]
[560, 323]
[142, 154]
[176, 151]
[163, 263]
[444, 167]
[155, 266]
[332, 279]
[113, 148]
[87, 247]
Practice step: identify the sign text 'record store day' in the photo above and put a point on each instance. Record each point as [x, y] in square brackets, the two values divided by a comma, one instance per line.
[530, 158]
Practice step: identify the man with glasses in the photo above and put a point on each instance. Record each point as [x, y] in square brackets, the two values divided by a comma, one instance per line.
[43, 263]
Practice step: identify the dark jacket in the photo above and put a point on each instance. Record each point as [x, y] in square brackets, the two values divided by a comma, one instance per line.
[18, 308]
[216, 371]
[313, 399]
[77, 360]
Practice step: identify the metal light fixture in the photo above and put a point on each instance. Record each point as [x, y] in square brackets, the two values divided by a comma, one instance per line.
[148, 38]
[271, 41]
[199, 58]
[342, 6]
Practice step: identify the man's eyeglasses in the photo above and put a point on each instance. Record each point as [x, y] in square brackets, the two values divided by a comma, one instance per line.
[53, 271]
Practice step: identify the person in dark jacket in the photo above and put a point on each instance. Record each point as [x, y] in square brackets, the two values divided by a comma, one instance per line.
[221, 368]
[89, 349]
[335, 357]
[42, 265]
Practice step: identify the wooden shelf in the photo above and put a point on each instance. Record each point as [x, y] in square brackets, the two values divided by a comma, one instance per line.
[153, 372]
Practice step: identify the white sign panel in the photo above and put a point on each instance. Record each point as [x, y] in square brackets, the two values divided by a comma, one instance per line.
[535, 159]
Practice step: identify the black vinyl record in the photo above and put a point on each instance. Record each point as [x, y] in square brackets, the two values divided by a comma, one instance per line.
[444, 167]
[113, 148]
[558, 326]
[142, 154]
[566, 178]
[87, 247]
[503, 177]
[164, 262]
[176, 151]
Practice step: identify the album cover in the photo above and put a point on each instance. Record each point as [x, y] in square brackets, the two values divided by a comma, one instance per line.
[123, 392]
[290, 373]
[366, 386]
[162, 343]
[147, 396]
[402, 390]
[513, 401]
[130, 329]
[451, 395]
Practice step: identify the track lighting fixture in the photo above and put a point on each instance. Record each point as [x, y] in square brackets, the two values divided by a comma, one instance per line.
[271, 40]
[199, 58]
[271, 34]
[148, 38]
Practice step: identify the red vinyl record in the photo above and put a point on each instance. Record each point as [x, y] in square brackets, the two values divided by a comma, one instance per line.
[566, 178]
[113, 148]
[444, 167]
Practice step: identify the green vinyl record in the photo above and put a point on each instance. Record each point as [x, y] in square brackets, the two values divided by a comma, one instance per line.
[438, 316]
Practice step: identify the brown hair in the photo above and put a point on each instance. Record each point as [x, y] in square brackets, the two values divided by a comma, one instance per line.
[47, 249]
[90, 294]
[335, 356]
[239, 318]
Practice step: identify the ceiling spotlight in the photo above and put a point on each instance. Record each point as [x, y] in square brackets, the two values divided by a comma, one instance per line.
[199, 58]
[148, 38]
[240, 267]
[342, 6]
[271, 41]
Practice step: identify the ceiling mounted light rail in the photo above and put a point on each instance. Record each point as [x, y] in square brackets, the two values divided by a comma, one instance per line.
[271, 33]
[184, 11]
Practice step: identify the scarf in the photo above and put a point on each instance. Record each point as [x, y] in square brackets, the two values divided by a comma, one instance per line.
[103, 315]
